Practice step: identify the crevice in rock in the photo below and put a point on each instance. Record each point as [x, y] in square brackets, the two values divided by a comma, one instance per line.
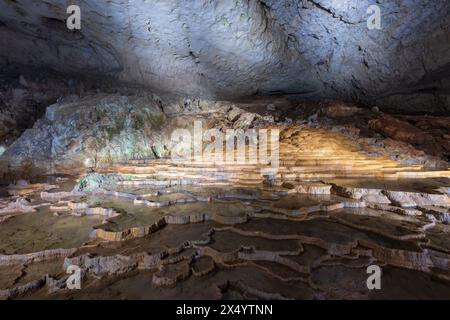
[329, 11]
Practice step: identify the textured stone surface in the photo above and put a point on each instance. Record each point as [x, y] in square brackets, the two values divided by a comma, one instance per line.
[312, 48]
[82, 133]
[22, 102]
[293, 246]
[352, 187]
[103, 131]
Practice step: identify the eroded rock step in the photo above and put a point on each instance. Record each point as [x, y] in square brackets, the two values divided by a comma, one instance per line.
[297, 240]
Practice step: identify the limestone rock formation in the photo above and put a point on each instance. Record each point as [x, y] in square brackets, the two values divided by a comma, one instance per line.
[96, 129]
[101, 131]
[118, 156]
[315, 49]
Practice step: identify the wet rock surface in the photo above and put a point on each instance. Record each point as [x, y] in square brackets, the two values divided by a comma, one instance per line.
[102, 130]
[243, 242]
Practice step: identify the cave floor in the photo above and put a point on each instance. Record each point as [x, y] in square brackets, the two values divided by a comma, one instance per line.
[297, 240]
[330, 205]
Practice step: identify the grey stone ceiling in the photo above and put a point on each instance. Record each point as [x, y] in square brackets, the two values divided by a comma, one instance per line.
[233, 48]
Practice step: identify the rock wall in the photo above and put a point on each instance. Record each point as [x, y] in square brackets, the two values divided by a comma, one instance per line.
[100, 130]
[26, 93]
[227, 49]
[93, 132]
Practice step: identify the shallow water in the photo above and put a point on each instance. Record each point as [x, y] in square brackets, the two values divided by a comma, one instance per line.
[274, 253]
[32, 232]
[412, 185]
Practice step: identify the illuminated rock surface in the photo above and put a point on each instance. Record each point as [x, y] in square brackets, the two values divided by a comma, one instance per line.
[343, 197]
[102, 130]
[313, 49]
[89, 174]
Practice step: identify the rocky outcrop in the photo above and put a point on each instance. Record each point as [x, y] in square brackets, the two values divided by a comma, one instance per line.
[25, 93]
[117, 264]
[407, 139]
[92, 131]
[23, 289]
[100, 131]
[399, 130]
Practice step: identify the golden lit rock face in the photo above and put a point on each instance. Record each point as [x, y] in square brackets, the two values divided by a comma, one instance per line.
[304, 154]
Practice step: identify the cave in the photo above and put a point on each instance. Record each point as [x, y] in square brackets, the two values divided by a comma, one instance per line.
[225, 150]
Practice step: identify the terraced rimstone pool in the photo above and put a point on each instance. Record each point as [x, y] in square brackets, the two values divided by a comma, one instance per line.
[276, 242]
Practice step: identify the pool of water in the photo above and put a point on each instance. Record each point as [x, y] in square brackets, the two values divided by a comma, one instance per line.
[272, 253]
